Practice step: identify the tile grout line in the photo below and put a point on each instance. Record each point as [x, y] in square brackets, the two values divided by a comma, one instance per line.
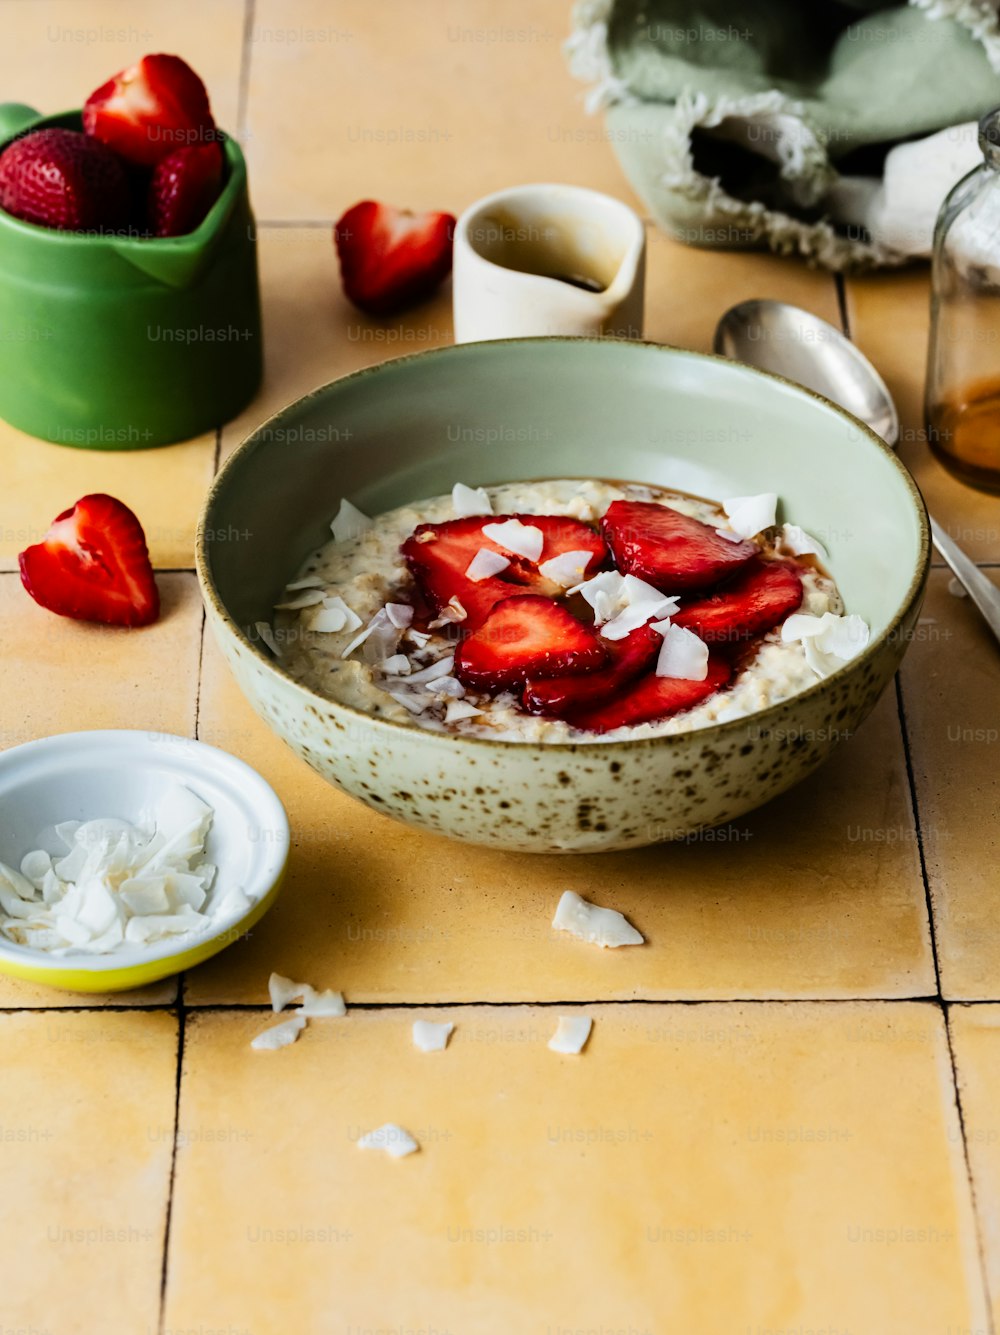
[246, 46]
[173, 1164]
[976, 1214]
[921, 853]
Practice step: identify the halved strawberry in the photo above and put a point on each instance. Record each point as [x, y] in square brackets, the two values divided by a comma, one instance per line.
[93, 565]
[151, 109]
[439, 555]
[562, 697]
[652, 698]
[757, 600]
[391, 258]
[669, 550]
[526, 636]
[60, 178]
[184, 187]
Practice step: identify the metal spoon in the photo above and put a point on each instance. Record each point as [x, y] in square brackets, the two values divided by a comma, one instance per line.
[775, 336]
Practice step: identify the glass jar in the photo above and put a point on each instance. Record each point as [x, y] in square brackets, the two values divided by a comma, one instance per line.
[963, 365]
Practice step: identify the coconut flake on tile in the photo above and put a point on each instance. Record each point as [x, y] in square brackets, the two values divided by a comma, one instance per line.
[322, 1005]
[280, 1035]
[593, 924]
[469, 501]
[955, 587]
[431, 1036]
[396, 1142]
[283, 990]
[828, 641]
[566, 569]
[682, 653]
[350, 522]
[525, 540]
[572, 1032]
[266, 634]
[485, 564]
[457, 710]
[797, 542]
[750, 515]
[332, 615]
[307, 598]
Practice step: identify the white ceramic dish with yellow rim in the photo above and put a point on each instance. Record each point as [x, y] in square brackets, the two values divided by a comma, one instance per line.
[121, 773]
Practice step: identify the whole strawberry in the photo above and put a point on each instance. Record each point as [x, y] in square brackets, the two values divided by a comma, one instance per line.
[184, 187]
[391, 258]
[63, 179]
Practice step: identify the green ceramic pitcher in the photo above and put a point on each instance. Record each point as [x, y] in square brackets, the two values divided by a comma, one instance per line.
[124, 342]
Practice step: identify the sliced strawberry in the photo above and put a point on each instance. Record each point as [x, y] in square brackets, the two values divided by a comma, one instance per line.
[184, 187]
[562, 697]
[440, 554]
[390, 258]
[151, 109]
[669, 550]
[62, 179]
[526, 636]
[757, 600]
[652, 698]
[93, 565]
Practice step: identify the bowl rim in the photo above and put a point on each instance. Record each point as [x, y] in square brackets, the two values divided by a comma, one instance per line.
[243, 776]
[410, 731]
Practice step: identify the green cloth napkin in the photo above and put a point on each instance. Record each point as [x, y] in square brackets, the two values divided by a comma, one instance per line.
[767, 123]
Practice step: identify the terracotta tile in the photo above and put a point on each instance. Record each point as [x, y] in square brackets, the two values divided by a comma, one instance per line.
[358, 101]
[312, 334]
[951, 689]
[541, 1199]
[58, 675]
[807, 897]
[164, 487]
[889, 319]
[688, 290]
[975, 1032]
[55, 54]
[86, 1148]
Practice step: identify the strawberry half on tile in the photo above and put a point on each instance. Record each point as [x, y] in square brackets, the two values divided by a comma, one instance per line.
[150, 110]
[670, 550]
[391, 258]
[760, 597]
[652, 698]
[439, 557]
[93, 565]
[526, 636]
[183, 188]
[61, 179]
[563, 697]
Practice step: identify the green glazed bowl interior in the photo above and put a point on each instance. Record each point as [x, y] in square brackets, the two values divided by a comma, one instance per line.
[503, 411]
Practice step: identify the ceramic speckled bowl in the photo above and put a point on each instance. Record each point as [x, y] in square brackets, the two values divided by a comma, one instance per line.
[506, 411]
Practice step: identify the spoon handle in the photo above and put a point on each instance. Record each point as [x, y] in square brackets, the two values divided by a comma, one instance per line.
[982, 591]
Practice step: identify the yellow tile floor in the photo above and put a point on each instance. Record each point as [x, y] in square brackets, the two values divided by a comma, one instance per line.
[785, 1120]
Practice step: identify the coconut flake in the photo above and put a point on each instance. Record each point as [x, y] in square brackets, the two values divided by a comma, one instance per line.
[571, 1034]
[682, 653]
[828, 641]
[430, 1036]
[459, 709]
[484, 564]
[282, 990]
[955, 587]
[350, 522]
[589, 922]
[307, 598]
[750, 515]
[265, 633]
[441, 668]
[399, 614]
[418, 637]
[307, 582]
[641, 604]
[797, 542]
[317, 1005]
[469, 501]
[396, 1142]
[333, 615]
[396, 666]
[522, 539]
[566, 569]
[280, 1035]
